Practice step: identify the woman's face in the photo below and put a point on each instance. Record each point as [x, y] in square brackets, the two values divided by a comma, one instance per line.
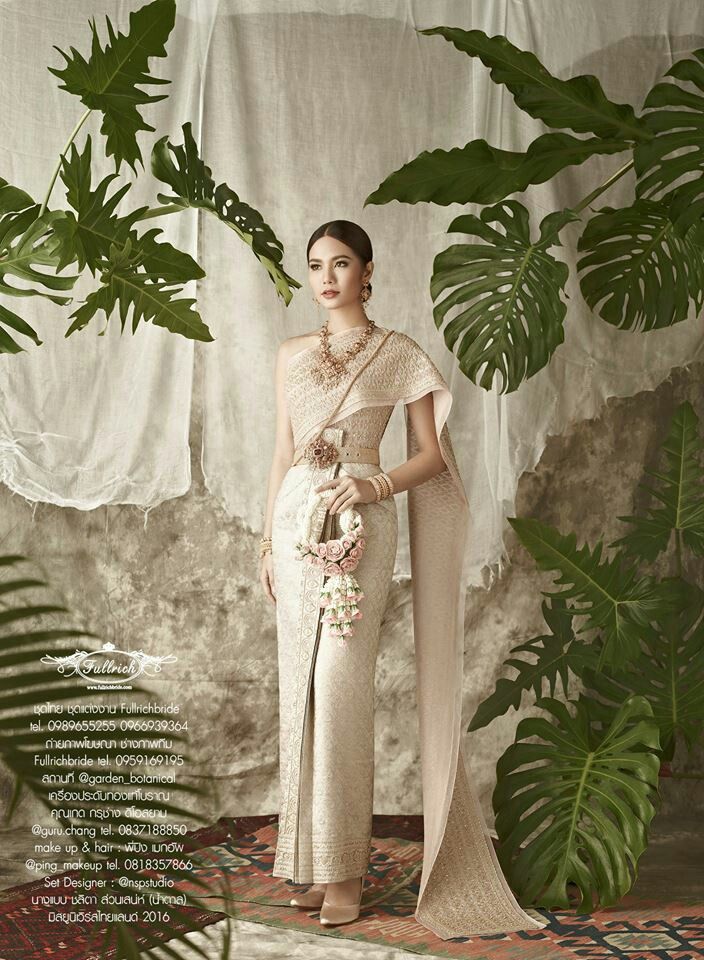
[332, 265]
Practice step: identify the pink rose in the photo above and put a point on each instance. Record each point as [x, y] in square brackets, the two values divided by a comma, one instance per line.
[331, 569]
[356, 552]
[361, 542]
[347, 541]
[348, 564]
[335, 550]
[322, 549]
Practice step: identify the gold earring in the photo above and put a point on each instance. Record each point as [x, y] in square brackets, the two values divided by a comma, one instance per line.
[365, 294]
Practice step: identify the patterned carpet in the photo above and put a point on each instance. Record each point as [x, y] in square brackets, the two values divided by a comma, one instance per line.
[242, 851]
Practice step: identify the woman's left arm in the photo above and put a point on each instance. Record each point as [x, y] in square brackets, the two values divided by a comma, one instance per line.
[345, 491]
[428, 461]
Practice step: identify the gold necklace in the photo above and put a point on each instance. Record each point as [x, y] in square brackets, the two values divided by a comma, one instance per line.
[330, 367]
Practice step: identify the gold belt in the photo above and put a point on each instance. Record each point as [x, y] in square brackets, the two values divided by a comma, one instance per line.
[322, 453]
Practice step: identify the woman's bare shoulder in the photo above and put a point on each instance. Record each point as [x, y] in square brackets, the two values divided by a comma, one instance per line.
[292, 345]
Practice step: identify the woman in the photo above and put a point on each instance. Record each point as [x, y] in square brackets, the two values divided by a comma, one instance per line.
[336, 389]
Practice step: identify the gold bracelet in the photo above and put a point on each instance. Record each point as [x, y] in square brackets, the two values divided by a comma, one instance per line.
[382, 484]
[389, 482]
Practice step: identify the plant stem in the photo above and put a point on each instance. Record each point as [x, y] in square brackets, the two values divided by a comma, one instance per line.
[161, 211]
[678, 552]
[61, 157]
[602, 188]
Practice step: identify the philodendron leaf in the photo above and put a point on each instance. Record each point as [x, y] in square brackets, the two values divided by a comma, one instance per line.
[108, 80]
[27, 242]
[680, 491]
[638, 273]
[556, 654]
[669, 674]
[676, 147]
[578, 103]
[616, 600]
[87, 236]
[193, 186]
[508, 288]
[150, 299]
[480, 173]
[586, 807]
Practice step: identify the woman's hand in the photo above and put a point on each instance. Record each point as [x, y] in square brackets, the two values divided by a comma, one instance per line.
[346, 491]
[266, 577]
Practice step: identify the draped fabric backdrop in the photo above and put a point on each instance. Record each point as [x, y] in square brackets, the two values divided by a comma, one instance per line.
[303, 108]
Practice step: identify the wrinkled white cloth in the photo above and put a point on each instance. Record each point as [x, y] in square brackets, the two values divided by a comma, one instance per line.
[303, 108]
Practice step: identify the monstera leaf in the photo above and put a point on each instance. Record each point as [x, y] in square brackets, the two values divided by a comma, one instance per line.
[556, 654]
[124, 287]
[27, 241]
[640, 267]
[108, 80]
[617, 602]
[35, 640]
[508, 288]
[480, 173]
[669, 675]
[88, 235]
[680, 491]
[578, 103]
[676, 146]
[595, 797]
[193, 186]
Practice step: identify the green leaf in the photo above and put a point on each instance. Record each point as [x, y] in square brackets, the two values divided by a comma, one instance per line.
[124, 287]
[669, 674]
[555, 655]
[641, 268]
[676, 148]
[680, 491]
[578, 103]
[27, 242]
[10, 319]
[87, 236]
[586, 808]
[509, 289]
[108, 80]
[616, 600]
[480, 173]
[193, 186]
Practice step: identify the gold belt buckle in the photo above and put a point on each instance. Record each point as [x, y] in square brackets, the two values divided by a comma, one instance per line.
[321, 452]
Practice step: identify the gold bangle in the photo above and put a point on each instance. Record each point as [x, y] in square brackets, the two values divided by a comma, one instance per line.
[381, 486]
[377, 488]
[389, 482]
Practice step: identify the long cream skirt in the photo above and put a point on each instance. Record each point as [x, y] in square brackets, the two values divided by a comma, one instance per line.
[326, 691]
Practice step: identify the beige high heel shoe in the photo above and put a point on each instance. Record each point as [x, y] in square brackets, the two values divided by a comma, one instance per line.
[335, 913]
[310, 900]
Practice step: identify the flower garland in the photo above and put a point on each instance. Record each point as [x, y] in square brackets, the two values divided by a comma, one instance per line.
[341, 593]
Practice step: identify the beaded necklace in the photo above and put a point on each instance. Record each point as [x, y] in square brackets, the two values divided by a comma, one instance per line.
[330, 367]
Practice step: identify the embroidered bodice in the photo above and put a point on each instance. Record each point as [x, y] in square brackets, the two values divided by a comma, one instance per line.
[309, 402]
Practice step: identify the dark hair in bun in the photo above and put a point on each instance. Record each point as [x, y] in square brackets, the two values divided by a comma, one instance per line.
[351, 234]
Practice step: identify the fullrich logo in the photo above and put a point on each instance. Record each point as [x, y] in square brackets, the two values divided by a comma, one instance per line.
[109, 666]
